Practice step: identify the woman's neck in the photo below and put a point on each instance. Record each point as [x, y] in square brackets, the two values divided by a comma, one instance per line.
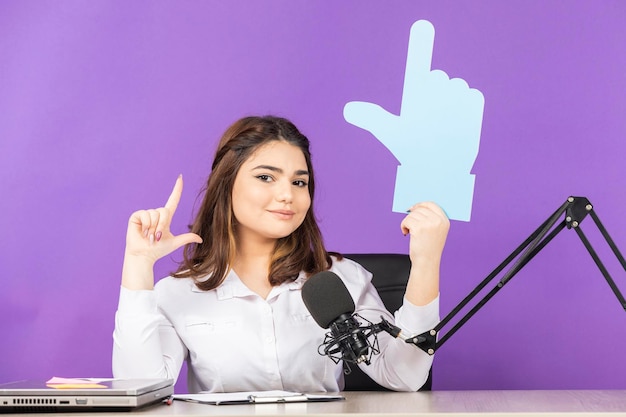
[252, 264]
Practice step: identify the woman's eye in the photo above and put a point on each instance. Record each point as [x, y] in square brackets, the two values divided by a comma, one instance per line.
[300, 183]
[264, 177]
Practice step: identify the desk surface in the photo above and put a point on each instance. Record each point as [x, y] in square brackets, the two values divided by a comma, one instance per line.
[450, 403]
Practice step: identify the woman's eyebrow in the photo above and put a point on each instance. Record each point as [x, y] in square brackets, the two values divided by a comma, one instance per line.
[279, 170]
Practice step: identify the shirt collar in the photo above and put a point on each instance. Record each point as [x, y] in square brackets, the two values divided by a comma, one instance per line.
[234, 287]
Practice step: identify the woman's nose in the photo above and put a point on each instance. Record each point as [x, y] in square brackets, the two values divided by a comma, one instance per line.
[284, 192]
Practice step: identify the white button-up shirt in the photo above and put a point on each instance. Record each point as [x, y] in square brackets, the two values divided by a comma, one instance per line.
[234, 340]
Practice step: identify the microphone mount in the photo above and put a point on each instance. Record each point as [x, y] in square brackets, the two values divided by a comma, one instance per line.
[576, 210]
[349, 342]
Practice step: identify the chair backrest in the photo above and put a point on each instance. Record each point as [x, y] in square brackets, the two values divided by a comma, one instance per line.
[390, 276]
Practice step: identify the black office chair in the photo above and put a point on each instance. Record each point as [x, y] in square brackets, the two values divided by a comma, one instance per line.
[390, 275]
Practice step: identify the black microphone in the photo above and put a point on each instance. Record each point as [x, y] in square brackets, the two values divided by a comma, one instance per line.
[329, 302]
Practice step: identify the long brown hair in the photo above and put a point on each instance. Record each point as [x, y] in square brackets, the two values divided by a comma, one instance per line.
[302, 250]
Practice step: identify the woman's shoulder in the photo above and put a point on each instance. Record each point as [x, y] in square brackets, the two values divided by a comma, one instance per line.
[171, 284]
[350, 271]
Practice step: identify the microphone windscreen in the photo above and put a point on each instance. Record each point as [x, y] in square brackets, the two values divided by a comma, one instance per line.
[326, 297]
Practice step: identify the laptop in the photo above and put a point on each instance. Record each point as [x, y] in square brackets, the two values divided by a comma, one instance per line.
[104, 395]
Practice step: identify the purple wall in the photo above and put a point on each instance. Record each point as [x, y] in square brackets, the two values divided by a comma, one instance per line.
[104, 103]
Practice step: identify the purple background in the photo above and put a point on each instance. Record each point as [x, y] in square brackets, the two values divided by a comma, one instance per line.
[104, 103]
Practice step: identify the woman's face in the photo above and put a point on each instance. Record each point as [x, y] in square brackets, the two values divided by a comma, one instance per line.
[271, 193]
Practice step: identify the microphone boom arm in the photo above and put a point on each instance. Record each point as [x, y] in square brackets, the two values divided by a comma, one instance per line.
[575, 210]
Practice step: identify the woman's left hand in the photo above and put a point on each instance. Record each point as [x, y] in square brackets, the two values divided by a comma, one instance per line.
[428, 227]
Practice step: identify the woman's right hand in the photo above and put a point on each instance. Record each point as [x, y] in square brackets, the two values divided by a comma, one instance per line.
[148, 239]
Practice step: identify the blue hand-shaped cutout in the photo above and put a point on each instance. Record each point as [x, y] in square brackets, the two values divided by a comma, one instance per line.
[436, 136]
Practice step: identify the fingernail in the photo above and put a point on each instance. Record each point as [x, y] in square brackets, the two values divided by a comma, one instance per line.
[158, 236]
[145, 233]
[151, 239]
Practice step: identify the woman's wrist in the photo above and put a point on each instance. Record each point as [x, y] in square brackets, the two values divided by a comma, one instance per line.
[423, 285]
[137, 273]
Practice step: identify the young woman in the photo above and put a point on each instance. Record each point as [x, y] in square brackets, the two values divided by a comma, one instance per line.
[234, 310]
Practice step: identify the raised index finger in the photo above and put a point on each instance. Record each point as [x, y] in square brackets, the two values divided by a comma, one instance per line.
[174, 198]
[419, 57]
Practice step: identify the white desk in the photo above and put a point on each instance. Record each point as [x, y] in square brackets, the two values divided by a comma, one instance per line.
[379, 404]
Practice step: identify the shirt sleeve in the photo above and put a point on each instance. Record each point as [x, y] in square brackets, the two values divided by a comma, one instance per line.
[399, 366]
[407, 364]
[145, 344]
